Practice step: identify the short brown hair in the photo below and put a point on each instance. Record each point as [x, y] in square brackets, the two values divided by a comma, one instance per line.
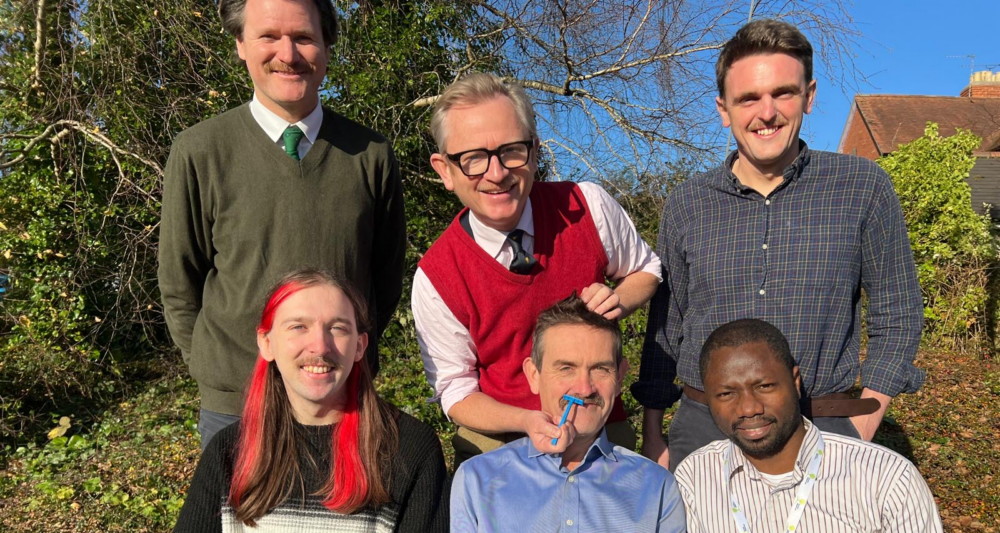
[573, 312]
[764, 36]
[233, 17]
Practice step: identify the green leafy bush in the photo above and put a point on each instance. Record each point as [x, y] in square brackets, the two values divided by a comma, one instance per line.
[951, 243]
[86, 121]
[85, 128]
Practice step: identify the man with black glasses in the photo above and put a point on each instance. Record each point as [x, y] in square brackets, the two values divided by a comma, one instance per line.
[517, 248]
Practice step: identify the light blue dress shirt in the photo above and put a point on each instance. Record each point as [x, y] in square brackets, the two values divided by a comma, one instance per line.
[517, 488]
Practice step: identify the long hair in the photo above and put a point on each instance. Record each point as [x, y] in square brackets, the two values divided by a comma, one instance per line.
[363, 442]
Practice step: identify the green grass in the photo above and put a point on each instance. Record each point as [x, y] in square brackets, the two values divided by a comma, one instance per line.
[128, 472]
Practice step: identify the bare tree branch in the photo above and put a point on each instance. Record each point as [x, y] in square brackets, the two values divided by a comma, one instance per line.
[91, 133]
[647, 60]
[36, 75]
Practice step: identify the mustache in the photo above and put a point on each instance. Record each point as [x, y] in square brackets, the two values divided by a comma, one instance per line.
[495, 188]
[295, 68]
[593, 399]
[318, 361]
[756, 420]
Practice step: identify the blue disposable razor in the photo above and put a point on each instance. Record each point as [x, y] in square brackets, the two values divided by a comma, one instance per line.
[571, 400]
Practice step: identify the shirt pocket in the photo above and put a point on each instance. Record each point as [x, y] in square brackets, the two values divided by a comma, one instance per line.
[826, 255]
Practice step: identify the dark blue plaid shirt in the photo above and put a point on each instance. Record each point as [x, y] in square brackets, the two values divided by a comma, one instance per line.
[797, 259]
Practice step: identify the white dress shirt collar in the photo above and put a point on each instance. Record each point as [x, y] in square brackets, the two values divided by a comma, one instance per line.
[274, 126]
[492, 240]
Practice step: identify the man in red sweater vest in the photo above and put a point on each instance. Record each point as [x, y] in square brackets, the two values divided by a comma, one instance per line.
[516, 249]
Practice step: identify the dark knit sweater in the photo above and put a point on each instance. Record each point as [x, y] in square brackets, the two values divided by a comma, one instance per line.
[419, 486]
[238, 213]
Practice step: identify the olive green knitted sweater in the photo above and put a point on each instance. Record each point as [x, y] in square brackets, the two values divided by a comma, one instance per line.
[238, 213]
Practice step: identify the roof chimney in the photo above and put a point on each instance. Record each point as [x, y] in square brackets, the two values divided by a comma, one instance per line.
[983, 84]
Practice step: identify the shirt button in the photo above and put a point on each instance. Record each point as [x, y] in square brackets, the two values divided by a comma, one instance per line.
[767, 202]
[764, 247]
[569, 522]
[572, 479]
[761, 292]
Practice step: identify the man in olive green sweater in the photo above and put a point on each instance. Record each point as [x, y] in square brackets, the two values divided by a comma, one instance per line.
[274, 185]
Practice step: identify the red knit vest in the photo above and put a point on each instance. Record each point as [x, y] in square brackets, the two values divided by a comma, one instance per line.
[499, 307]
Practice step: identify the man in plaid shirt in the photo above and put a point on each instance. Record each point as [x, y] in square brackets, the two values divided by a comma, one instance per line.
[788, 235]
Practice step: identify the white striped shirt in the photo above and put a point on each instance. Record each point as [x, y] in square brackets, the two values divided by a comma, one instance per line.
[861, 487]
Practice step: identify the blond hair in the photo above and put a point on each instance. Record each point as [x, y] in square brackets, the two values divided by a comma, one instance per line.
[475, 88]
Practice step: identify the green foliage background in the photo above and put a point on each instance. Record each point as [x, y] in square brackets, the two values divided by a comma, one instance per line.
[86, 123]
[952, 244]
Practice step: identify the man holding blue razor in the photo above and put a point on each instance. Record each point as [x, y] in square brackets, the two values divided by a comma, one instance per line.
[589, 485]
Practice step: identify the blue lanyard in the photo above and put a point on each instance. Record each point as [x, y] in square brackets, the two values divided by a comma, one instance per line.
[801, 497]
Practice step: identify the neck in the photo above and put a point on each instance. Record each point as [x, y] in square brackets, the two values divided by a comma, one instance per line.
[576, 452]
[503, 227]
[291, 113]
[783, 461]
[763, 179]
[312, 414]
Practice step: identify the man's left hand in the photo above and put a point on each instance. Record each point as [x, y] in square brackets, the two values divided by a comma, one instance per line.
[867, 425]
[602, 299]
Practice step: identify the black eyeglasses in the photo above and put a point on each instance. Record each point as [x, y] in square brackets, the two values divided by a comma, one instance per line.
[477, 162]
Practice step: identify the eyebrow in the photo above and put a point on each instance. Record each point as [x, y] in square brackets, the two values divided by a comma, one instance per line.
[734, 384]
[338, 320]
[787, 88]
[602, 364]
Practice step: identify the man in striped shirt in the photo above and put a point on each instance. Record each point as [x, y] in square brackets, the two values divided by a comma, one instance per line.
[777, 471]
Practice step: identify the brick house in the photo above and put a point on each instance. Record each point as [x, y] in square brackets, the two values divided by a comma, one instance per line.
[877, 124]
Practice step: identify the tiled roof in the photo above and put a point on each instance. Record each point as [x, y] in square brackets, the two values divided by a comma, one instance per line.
[895, 119]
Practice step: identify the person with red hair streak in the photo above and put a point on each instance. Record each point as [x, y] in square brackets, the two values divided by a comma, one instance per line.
[316, 448]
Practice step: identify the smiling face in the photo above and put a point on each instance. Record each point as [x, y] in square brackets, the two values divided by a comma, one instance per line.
[766, 96]
[314, 341]
[577, 360]
[753, 398]
[282, 45]
[498, 196]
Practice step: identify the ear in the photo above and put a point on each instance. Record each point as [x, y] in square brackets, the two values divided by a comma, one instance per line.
[241, 48]
[532, 374]
[720, 106]
[622, 372]
[798, 381]
[533, 157]
[264, 345]
[810, 96]
[440, 164]
[362, 345]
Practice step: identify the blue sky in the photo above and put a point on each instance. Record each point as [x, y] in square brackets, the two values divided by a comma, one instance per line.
[906, 50]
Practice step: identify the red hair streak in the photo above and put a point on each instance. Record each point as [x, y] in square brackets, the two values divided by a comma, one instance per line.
[350, 480]
[251, 433]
